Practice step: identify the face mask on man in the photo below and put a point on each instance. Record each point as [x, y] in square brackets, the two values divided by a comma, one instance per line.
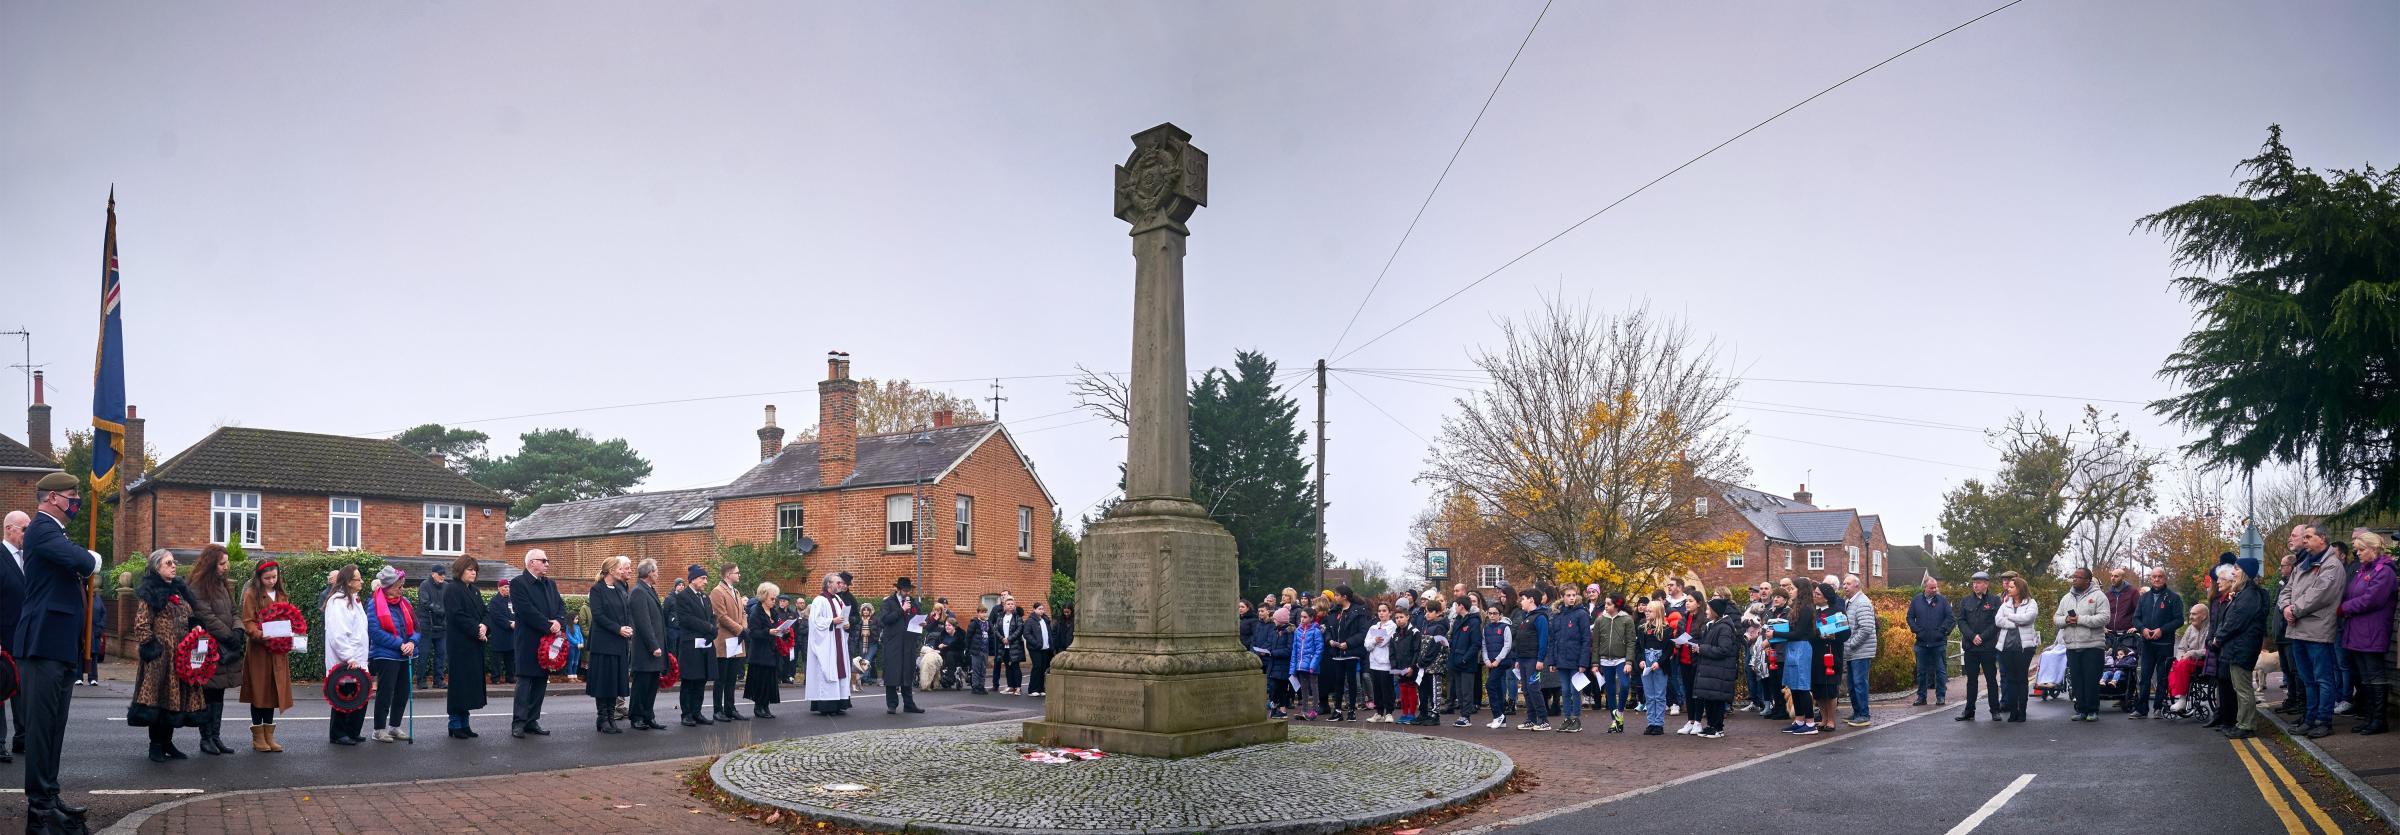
[74, 507]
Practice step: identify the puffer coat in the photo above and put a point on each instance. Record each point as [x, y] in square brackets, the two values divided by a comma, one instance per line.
[221, 616]
[1718, 661]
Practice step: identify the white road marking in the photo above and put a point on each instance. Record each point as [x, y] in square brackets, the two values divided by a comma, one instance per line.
[1992, 805]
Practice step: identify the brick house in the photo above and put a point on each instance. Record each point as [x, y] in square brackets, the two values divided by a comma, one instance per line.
[676, 527]
[960, 499]
[281, 492]
[1791, 537]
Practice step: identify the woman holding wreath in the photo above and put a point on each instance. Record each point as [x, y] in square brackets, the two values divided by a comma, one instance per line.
[212, 602]
[162, 619]
[470, 635]
[267, 671]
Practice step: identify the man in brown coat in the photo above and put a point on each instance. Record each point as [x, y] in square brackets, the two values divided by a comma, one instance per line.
[725, 605]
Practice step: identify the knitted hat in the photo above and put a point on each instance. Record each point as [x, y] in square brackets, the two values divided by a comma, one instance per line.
[2249, 566]
[694, 572]
[1721, 606]
[388, 576]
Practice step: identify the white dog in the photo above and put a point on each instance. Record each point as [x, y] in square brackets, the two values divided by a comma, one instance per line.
[929, 668]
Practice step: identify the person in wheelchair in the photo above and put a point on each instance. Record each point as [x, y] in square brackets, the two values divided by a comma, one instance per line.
[2191, 660]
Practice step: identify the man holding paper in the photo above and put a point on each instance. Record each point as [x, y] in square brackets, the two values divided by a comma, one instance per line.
[903, 634]
[725, 607]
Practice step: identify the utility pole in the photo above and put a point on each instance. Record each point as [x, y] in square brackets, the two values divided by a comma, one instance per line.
[1320, 475]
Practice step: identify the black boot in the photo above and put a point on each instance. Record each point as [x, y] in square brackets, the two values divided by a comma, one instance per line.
[2373, 706]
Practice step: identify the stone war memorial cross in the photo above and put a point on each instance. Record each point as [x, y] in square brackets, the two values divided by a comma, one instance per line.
[1157, 668]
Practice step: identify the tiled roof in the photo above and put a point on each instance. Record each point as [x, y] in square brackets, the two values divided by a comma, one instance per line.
[1868, 523]
[16, 456]
[887, 459]
[304, 462]
[662, 511]
[1814, 526]
[1763, 509]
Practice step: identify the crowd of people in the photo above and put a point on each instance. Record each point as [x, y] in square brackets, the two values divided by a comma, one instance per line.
[1798, 647]
[1790, 652]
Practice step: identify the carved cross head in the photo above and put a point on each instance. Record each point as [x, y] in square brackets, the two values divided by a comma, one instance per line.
[1163, 181]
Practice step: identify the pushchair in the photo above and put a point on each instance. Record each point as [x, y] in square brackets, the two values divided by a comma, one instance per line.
[2050, 672]
[2118, 671]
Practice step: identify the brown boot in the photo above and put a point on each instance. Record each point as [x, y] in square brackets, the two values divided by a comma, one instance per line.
[258, 739]
[272, 745]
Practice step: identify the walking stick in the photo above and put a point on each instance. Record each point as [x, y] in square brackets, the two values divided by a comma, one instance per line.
[409, 686]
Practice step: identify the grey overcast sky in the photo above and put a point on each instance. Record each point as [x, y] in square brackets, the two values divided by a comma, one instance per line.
[353, 218]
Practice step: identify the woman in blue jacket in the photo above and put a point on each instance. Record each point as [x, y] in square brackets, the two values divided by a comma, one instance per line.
[391, 644]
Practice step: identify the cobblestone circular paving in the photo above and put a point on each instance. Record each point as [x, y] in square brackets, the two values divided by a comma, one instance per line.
[974, 779]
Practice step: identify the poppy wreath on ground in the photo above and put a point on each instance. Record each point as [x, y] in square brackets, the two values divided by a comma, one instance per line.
[673, 674]
[551, 653]
[283, 611]
[192, 666]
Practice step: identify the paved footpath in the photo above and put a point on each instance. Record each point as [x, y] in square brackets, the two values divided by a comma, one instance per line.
[1916, 771]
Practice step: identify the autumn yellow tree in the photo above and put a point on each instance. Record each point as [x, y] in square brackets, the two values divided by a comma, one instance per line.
[899, 405]
[2186, 542]
[1593, 440]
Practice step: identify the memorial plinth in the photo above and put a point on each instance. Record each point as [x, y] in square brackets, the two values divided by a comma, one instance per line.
[1157, 668]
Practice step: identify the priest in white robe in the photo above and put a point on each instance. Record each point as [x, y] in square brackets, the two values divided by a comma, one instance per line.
[828, 685]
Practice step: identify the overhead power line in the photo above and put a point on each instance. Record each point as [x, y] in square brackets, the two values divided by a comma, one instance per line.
[1437, 181]
[1662, 177]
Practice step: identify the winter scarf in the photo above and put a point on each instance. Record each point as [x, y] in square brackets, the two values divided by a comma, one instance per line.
[383, 612]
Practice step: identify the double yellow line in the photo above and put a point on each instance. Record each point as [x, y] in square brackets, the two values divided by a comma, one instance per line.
[2252, 753]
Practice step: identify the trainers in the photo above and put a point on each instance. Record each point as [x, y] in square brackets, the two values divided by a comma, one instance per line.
[1276, 714]
[1688, 729]
[1462, 722]
[1806, 730]
[1525, 725]
[1797, 728]
[1539, 726]
[1497, 721]
[1858, 721]
[1573, 726]
[1711, 734]
[1654, 730]
[1674, 710]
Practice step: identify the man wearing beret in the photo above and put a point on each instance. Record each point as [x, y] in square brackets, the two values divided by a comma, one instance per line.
[53, 631]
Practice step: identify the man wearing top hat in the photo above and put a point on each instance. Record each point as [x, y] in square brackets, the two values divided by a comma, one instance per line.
[52, 632]
[900, 647]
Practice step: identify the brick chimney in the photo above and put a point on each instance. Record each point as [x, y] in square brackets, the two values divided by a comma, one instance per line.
[837, 421]
[1929, 543]
[131, 464]
[1804, 497]
[436, 456]
[944, 418]
[37, 422]
[770, 436]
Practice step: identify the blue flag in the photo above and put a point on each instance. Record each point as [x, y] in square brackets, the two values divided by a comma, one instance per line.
[108, 368]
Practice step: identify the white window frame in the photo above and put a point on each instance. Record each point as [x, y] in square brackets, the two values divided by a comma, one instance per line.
[964, 531]
[440, 519]
[1490, 576]
[1879, 562]
[1855, 565]
[1736, 559]
[229, 508]
[899, 510]
[335, 515]
[1816, 559]
[1700, 506]
[1787, 559]
[1024, 531]
[790, 534]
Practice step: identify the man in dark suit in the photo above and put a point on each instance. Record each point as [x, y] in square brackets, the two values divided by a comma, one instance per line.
[12, 606]
[539, 611]
[51, 634]
[900, 647]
